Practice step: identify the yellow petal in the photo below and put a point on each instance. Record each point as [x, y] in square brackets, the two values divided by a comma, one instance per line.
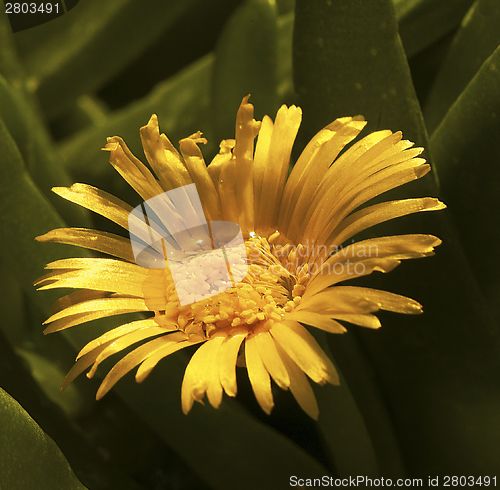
[246, 131]
[172, 344]
[77, 297]
[384, 299]
[321, 225]
[379, 213]
[258, 375]
[82, 364]
[260, 162]
[272, 168]
[110, 207]
[397, 247]
[333, 300]
[305, 164]
[195, 164]
[117, 332]
[305, 187]
[99, 241]
[120, 282]
[300, 386]
[271, 359]
[163, 157]
[199, 374]
[228, 354]
[98, 201]
[132, 170]
[219, 162]
[339, 180]
[109, 305]
[78, 319]
[301, 346]
[214, 386]
[106, 275]
[351, 270]
[127, 363]
[363, 320]
[125, 341]
[318, 320]
[228, 188]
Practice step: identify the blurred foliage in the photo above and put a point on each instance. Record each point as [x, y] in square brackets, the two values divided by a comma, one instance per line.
[28, 452]
[421, 396]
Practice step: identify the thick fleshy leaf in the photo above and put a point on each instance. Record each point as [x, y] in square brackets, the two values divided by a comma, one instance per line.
[12, 107]
[181, 104]
[85, 112]
[245, 63]
[348, 60]
[370, 404]
[20, 203]
[343, 429]
[467, 158]
[476, 40]
[50, 376]
[284, 67]
[9, 65]
[356, 67]
[79, 51]
[32, 139]
[422, 22]
[89, 465]
[28, 457]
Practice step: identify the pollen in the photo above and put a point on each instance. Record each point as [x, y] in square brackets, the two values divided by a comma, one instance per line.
[272, 286]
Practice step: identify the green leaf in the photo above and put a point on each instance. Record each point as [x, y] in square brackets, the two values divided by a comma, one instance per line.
[12, 305]
[347, 64]
[79, 51]
[84, 113]
[423, 22]
[13, 108]
[477, 38]
[87, 461]
[207, 438]
[50, 376]
[24, 335]
[343, 429]
[181, 104]
[24, 214]
[29, 458]
[32, 139]
[285, 6]
[363, 388]
[9, 64]
[284, 63]
[467, 153]
[437, 374]
[19, 111]
[245, 63]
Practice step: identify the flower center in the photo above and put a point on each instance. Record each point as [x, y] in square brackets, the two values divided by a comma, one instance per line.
[275, 276]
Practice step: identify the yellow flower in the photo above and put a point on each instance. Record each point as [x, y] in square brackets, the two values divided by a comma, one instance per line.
[297, 229]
